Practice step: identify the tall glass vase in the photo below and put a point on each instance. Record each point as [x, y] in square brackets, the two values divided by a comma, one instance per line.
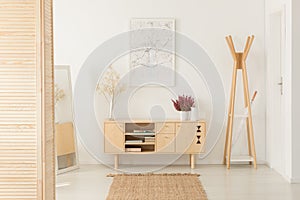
[111, 107]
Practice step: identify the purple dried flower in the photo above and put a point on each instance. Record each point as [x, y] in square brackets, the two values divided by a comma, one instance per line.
[184, 103]
[176, 104]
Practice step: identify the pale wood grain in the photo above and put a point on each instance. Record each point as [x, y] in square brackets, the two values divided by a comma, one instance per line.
[239, 64]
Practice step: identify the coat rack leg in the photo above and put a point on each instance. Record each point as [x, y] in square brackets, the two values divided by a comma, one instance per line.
[231, 115]
[252, 142]
[248, 137]
[226, 139]
[227, 130]
[247, 102]
[229, 143]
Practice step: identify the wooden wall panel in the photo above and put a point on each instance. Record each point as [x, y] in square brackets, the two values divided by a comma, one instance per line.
[26, 111]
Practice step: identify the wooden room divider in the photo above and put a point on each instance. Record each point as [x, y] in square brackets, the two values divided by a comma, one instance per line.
[26, 100]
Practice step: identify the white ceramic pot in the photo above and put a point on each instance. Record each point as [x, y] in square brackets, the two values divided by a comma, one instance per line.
[184, 115]
[194, 114]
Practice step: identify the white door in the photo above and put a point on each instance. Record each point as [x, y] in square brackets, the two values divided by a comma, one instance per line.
[275, 92]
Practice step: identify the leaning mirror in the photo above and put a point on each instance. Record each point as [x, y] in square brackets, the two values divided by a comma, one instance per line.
[65, 135]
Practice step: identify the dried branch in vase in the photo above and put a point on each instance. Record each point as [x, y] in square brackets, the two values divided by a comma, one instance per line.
[109, 86]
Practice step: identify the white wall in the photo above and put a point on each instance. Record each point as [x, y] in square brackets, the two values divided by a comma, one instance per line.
[290, 134]
[80, 26]
[296, 91]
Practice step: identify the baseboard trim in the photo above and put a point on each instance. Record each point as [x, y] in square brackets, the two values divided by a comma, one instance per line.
[287, 178]
[294, 180]
[291, 180]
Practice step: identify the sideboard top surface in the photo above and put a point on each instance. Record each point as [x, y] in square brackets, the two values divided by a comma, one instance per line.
[151, 121]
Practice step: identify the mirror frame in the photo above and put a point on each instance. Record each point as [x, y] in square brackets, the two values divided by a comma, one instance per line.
[76, 166]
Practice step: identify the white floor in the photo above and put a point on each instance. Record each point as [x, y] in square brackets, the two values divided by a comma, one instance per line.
[242, 182]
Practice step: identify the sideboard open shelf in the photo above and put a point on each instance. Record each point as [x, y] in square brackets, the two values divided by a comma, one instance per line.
[139, 137]
[154, 137]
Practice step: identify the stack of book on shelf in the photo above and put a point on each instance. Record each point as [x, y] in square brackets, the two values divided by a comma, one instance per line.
[133, 141]
[143, 131]
[149, 139]
[133, 149]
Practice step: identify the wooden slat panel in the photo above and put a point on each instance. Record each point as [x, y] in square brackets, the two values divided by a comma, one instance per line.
[25, 67]
[18, 99]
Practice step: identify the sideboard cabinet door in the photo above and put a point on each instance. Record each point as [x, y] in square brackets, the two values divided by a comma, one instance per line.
[165, 143]
[114, 137]
[197, 145]
[190, 137]
[185, 134]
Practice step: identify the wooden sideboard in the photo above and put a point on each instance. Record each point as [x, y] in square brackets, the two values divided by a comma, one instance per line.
[154, 137]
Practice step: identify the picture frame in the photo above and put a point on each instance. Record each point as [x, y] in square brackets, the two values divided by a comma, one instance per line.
[154, 63]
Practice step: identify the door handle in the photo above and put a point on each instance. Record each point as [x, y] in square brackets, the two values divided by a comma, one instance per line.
[281, 85]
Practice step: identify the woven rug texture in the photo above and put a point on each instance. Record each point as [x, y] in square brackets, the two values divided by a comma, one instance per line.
[156, 186]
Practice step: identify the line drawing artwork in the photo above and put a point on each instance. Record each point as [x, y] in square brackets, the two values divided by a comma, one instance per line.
[154, 62]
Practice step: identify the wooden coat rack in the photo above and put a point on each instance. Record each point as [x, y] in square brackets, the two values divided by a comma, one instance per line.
[239, 64]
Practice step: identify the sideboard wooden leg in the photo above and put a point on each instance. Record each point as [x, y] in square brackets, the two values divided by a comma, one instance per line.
[192, 161]
[116, 161]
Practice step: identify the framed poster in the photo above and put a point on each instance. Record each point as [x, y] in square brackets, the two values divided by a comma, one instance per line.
[152, 56]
